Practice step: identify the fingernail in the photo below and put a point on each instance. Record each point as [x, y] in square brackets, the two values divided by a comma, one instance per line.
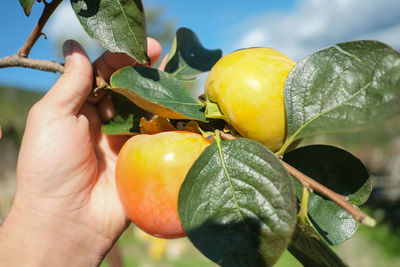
[68, 48]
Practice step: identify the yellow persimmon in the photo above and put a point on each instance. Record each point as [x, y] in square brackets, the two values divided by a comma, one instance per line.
[248, 86]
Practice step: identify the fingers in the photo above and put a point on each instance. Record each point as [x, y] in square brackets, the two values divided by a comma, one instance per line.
[88, 113]
[73, 87]
[116, 142]
[163, 63]
[106, 108]
[109, 62]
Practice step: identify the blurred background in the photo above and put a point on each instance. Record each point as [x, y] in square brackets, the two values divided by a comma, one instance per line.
[295, 27]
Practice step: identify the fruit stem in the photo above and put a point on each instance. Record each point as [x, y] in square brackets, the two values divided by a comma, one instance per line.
[284, 146]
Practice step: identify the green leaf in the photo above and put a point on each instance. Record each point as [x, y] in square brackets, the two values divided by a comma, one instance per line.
[237, 204]
[188, 57]
[213, 111]
[341, 172]
[27, 6]
[157, 92]
[127, 118]
[343, 87]
[118, 25]
[310, 250]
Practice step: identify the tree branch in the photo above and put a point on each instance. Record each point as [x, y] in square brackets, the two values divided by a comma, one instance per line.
[37, 31]
[313, 185]
[99, 83]
[38, 64]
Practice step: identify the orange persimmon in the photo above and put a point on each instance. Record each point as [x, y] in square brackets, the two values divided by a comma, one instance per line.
[149, 173]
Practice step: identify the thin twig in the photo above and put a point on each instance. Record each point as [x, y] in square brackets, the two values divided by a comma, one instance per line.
[38, 64]
[313, 185]
[37, 31]
[338, 199]
[47, 65]
[99, 83]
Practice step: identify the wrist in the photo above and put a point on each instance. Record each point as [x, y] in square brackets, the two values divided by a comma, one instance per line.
[28, 239]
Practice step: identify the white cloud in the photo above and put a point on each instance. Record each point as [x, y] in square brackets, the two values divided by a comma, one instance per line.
[64, 25]
[314, 24]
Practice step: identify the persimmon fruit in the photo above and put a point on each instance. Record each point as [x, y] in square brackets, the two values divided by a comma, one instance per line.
[248, 87]
[150, 170]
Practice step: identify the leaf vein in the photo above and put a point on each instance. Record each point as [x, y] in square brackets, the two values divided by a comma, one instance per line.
[341, 50]
[330, 109]
[129, 26]
[221, 156]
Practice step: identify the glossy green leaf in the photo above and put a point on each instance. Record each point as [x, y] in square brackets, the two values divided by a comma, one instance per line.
[188, 57]
[341, 172]
[127, 118]
[311, 250]
[27, 6]
[157, 92]
[118, 25]
[237, 204]
[343, 87]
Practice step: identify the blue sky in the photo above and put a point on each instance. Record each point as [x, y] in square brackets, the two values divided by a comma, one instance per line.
[208, 20]
[295, 27]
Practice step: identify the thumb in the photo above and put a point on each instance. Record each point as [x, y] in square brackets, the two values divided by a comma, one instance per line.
[71, 90]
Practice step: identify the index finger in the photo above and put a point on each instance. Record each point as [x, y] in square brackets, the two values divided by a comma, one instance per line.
[110, 62]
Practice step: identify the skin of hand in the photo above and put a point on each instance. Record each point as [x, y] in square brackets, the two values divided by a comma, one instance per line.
[66, 209]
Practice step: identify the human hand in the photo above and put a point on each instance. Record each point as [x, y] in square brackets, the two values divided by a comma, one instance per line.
[66, 209]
